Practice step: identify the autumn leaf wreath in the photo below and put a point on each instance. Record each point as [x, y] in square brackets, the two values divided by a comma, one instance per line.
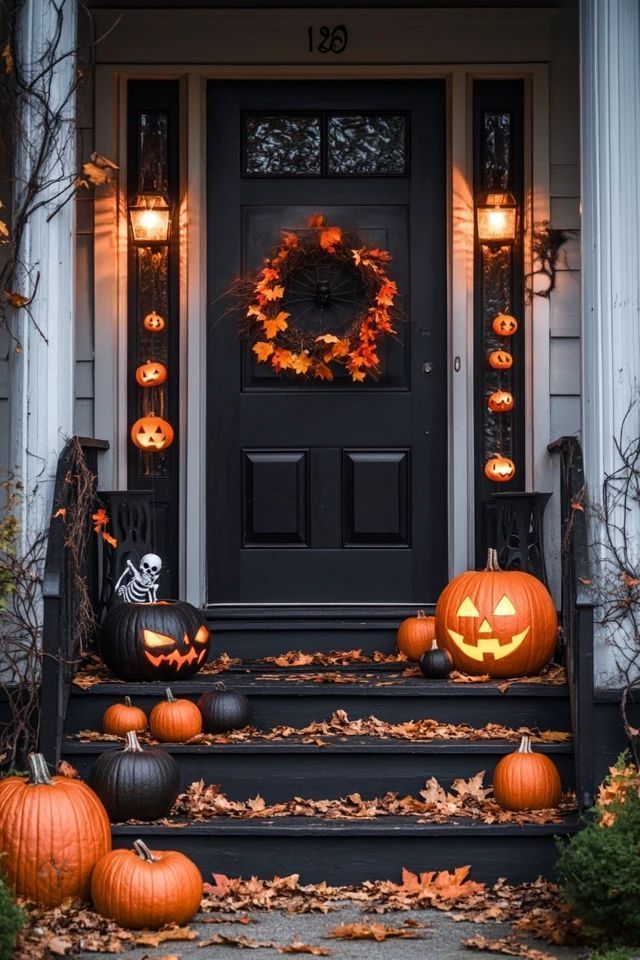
[276, 337]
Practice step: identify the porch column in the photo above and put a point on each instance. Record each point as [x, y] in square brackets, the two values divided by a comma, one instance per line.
[42, 365]
[610, 122]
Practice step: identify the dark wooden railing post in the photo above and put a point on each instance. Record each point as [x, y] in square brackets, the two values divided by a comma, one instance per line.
[577, 612]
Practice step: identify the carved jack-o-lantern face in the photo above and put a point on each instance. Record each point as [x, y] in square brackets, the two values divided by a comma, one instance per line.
[153, 322]
[505, 325]
[500, 401]
[152, 433]
[154, 641]
[500, 469]
[500, 622]
[151, 374]
[500, 360]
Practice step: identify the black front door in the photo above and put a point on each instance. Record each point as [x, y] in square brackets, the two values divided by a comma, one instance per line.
[327, 492]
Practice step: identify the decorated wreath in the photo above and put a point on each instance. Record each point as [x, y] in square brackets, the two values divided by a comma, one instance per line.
[322, 300]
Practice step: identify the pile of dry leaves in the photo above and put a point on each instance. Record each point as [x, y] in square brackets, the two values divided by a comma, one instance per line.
[533, 909]
[340, 726]
[467, 799]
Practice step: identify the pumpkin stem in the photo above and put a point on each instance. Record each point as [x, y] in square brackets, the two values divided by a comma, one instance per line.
[170, 696]
[420, 614]
[219, 685]
[434, 644]
[525, 745]
[492, 561]
[38, 770]
[127, 701]
[132, 742]
[143, 851]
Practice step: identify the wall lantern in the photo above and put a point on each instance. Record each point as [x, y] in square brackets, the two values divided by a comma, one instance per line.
[496, 217]
[150, 218]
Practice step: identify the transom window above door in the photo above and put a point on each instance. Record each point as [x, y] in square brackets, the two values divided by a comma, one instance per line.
[325, 144]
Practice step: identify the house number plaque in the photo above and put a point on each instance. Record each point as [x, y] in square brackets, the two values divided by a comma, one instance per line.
[327, 39]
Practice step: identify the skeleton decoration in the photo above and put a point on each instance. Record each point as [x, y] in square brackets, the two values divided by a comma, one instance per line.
[140, 584]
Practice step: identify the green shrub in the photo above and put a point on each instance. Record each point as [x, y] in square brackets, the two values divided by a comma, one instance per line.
[599, 868]
[616, 953]
[11, 920]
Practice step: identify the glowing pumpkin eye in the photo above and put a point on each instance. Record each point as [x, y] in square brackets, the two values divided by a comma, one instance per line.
[202, 635]
[153, 639]
[505, 608]
[467, 609]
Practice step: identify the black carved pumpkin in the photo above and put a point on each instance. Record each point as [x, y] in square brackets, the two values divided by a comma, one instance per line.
[436, 664]
[136, 784]
[223, 710]
[168, 640]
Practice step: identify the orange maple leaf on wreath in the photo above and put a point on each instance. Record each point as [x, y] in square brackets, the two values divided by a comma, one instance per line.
[273, 324]
[386, 293]
[322, 372]
[316, 220]
[109, 539]
[329, 238]
[100, 519]
[262, 350]
[255, 310]
[274, 293]
[301, 362]
[281, 359]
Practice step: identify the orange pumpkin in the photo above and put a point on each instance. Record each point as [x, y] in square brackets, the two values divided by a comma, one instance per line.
[505, 325]
[120, 718]
[500, 401]
[151, 374]
[143, 888]
[415, 635]
[500, 469]
[53, 831]
[175, 721]
[152, 433]
[526, 781]
[500, 360]
[153, 322]
[500, 622]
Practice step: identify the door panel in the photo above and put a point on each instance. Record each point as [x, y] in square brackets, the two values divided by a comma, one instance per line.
[327, 492]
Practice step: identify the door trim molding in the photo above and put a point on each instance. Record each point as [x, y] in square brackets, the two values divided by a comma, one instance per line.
[111, 281]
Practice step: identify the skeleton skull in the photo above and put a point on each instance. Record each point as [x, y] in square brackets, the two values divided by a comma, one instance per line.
[150, 567]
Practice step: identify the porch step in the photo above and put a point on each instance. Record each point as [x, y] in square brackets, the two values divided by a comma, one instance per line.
[348, 852]
[366, 765]
[293, 700]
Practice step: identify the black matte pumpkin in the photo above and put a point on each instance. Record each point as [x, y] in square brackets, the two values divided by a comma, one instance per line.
[223, 710]
[436, 664]
[168, 640]
[136, 784]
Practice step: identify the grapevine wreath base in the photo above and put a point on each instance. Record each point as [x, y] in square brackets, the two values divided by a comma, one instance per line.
[358, 309]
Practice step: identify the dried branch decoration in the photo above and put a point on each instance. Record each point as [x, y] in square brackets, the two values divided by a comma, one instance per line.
[546, 247]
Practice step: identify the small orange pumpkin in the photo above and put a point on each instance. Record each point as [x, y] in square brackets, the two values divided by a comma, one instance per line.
[500, 360]
[500, 401]
[500, 469]
[143, 888]
[152, 433]
[505, 325]
[153, 322]
[526, 781]
[500, 622]
[415, 635]
[120, 718]
[175, 721]
[53, 831]
[151, 374]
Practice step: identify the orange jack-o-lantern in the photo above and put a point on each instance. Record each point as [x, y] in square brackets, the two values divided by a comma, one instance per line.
[153, 322]
[151, 374]
[505, 325]
[152, 433]
[500, 360]
[501, 401]
[500, 622]
[500, 469]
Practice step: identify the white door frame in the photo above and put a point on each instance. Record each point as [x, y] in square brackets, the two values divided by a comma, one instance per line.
[111, 281]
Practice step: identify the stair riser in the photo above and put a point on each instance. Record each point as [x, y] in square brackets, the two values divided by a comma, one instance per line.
[352, 860]
[272, 641]
[85, 711]
[279, 777]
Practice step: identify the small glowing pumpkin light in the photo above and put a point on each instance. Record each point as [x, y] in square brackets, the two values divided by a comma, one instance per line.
[505, 325]
[153, 322]
[500, 401]
[500, 622]
[151, 374]
[500, 360]
[152, 433]
[500, 469]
